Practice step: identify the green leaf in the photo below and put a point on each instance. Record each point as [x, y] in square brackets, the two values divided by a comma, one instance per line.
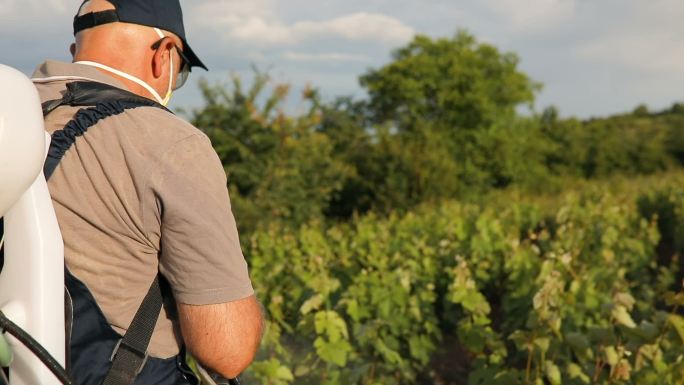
[273, 370]
[302, 370]
[312, 303]
[330, 324]
[677, 323]
[421, 348]
[575, 372]
[283, 373]
[624, 299]
[353, 310]
[390, 355]
[552, 373]
[332, 352]
[475, 302]
[611, 355]
[621, 315]
[542, 343]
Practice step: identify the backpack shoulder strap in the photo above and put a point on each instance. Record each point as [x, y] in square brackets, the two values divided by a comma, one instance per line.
[87, 93]
[105, 101]
[130, 355]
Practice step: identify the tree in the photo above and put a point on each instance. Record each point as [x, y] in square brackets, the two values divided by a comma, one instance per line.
[452, 102]
[641, 110]
[454, 83]
[279, 167]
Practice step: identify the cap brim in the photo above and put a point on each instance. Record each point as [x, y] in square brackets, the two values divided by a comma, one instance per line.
[194, 60]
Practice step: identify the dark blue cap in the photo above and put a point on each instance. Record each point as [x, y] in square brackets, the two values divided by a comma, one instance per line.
[162, 14]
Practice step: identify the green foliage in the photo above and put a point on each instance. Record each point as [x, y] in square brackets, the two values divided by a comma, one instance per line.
[446, 107]
[570, 293]
[280, 168]
[629, 144]
[414, 237]
[440, 124]
[508, 153]
[454, 83]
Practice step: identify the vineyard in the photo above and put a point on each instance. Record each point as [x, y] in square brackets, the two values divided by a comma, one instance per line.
[581, 288]
[432, 234]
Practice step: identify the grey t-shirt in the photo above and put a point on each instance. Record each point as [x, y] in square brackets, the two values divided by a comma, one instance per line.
[143, 192]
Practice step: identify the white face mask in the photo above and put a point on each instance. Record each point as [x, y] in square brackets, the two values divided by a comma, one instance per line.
[142, 83]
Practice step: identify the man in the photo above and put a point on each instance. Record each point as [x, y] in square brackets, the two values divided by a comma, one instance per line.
[143, 193]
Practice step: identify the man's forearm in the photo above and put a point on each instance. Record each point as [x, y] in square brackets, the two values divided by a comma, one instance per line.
[223, 337]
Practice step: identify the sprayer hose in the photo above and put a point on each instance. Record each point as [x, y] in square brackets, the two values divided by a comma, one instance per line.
[33, 345]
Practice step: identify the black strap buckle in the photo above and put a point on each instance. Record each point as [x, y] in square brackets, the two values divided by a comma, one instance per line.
[143, 355]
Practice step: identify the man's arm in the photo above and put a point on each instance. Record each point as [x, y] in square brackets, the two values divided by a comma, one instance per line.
[223, 337]
[200, 255]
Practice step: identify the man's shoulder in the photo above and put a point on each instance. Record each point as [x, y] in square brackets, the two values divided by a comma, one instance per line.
[158, 127]
[155, 125]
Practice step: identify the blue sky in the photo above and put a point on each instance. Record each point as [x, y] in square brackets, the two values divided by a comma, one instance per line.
[594, 57]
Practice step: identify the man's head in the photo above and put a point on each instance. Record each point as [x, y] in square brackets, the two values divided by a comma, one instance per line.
[144, 39]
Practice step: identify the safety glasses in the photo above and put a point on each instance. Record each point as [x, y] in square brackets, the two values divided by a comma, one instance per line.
[184, 72]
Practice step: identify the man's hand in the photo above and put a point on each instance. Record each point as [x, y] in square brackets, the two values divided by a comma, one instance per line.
[223, 337]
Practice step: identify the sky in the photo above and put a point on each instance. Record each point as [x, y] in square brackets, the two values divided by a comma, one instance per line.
[594, 57]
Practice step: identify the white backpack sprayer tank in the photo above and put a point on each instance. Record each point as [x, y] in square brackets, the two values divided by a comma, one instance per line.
[32, 280]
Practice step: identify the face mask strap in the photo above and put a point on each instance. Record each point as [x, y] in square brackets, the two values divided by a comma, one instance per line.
[132, 78]
[169, 91]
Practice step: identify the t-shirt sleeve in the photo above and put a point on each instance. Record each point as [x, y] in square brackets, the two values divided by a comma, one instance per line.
[200, 252]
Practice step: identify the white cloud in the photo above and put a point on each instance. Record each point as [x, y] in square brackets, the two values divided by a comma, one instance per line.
[254, 22]
[533, 15]
[357, 26]
[324, 57]
[36, 9]
[650, 39]
[259, 31]
[646, 51]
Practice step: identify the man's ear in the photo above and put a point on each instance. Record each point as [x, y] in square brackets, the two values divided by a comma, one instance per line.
[160, 60]
[72, 49]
